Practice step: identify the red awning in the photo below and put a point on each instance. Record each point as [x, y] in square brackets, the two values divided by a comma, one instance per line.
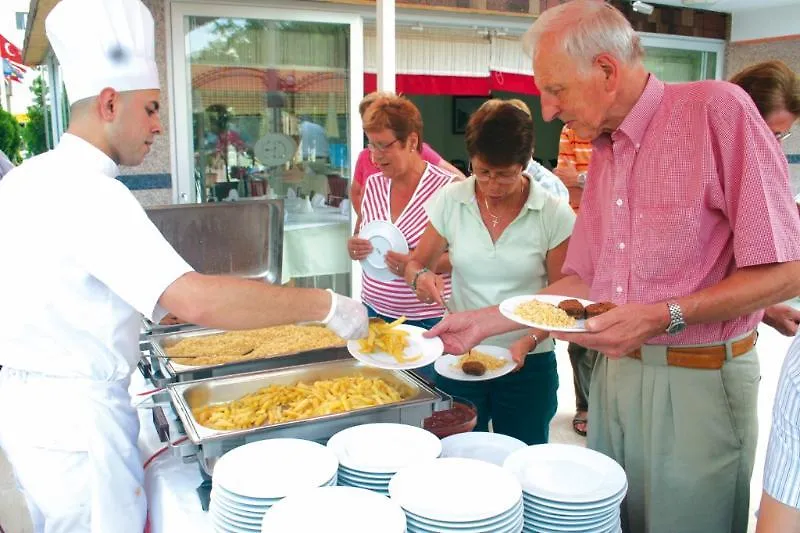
[421, 84]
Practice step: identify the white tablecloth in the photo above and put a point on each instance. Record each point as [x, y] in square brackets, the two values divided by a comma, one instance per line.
[173, 503]
[315, 244]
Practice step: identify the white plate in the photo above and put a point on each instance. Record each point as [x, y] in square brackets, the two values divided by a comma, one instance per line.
[384, 448]
[335, 509]
[447, 365]
[274, 468]
[566, 473]
[429, 349]
[484, 446]
[508, 309]
[453, 489]
[384, 236]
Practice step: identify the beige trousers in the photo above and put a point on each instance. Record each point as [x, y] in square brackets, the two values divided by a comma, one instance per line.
[686, 439]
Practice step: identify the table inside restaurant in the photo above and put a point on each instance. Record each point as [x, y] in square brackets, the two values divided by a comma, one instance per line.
[314, 244]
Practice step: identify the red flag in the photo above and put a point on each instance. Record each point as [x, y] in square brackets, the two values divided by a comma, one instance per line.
[9, 51]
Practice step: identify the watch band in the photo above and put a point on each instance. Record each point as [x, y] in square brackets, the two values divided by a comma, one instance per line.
[676, 321]
[419, 272]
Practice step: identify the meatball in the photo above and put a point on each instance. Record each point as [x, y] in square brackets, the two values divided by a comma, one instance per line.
[573, 308]
[598, 308]
[474, 368]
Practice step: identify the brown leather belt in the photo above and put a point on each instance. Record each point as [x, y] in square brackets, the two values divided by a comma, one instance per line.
[704, 357]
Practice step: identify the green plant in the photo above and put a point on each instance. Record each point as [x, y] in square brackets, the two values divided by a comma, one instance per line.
[10, 137]
[35, 133]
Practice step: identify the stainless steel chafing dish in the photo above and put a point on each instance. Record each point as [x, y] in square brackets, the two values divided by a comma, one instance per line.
[157, 366]
[206, 445]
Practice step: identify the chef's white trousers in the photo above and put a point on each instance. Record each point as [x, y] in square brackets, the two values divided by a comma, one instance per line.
[55, 484]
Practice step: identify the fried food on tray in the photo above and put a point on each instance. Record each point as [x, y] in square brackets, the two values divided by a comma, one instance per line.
[545, 314]
[253, 344]
[598, 308]
[384, 337]
[283, 403]
[573, 308]
[476, 363]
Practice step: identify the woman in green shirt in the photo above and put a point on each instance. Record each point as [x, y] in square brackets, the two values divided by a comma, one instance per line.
[506, 236]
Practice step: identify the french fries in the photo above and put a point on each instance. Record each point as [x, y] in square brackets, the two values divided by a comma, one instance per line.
[275, 404]
[384, 337]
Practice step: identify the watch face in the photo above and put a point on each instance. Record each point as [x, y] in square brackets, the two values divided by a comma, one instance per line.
[676, 327]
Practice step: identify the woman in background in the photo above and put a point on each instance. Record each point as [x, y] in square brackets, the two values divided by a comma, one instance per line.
[397, 193]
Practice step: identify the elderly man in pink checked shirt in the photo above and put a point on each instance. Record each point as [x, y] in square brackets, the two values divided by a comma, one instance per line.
[688, 226]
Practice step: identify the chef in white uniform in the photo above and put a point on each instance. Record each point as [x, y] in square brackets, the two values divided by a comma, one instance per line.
[81, 262]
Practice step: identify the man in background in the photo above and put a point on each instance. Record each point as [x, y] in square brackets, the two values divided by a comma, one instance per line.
[574, 155]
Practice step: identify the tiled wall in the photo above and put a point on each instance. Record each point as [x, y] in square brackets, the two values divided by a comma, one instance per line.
[740, 55]
[151, 181]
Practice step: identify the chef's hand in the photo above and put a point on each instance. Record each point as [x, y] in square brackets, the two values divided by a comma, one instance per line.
[430, 287]
[621, 330]
[347, 317]
[396, 262]
[358, 249]
[783, 318]
[460, 332]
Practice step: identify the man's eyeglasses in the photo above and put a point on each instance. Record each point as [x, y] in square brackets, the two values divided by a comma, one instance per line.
[503, 177]
[380, 148]
[782, 136]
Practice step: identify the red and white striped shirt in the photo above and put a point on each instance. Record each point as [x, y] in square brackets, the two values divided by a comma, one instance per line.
[395, 298]
[689, 188]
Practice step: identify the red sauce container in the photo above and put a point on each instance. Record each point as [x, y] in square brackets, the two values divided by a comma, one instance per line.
[461, 418]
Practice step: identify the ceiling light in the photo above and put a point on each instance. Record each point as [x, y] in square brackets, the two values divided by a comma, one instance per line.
[698, 2]
[643, 8]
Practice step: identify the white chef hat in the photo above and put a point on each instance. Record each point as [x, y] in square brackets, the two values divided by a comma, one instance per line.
[103, 43]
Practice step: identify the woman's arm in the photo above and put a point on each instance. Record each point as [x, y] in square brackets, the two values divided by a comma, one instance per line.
[554, 261]
[428, 253]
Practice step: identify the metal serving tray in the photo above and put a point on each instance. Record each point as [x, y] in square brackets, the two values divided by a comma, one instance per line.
[148, 328]
[208, 444]
[156, 365]
[237, 238]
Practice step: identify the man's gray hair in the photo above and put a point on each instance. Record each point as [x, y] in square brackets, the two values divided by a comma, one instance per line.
[584, 29]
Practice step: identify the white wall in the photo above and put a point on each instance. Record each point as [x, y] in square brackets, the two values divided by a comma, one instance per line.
[765, 23]
[20, 93]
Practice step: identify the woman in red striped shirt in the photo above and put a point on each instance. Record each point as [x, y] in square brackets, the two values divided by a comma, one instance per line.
[397, 193]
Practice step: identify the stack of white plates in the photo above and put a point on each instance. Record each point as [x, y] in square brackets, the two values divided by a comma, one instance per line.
[458, 495]
[370, 454]
[568, 489]
[335, 510]
[250, 479]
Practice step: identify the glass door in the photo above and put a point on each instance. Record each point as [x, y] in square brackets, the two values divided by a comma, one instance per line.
[264, 106]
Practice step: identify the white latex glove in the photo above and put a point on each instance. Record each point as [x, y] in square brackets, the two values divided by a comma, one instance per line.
[347, 317]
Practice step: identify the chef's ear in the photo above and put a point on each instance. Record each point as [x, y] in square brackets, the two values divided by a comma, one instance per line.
[108, 103]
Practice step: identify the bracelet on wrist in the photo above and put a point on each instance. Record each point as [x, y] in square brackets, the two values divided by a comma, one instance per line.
[419, 272]
[535, 340]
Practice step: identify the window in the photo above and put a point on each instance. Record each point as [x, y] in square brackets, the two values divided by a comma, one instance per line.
[22, 20]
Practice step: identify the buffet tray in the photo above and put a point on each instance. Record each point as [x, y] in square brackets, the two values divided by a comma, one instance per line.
[157, 366]
[207, 444]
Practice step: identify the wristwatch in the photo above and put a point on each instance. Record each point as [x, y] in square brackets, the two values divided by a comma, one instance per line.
[581, 179]
[676, 322]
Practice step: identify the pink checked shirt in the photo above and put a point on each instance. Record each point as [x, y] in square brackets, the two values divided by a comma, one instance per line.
[692, 186]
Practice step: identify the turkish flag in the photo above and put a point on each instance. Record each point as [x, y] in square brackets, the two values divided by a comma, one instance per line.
[9, 51]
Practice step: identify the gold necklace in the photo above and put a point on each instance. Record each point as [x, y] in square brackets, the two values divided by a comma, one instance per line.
[497, 218]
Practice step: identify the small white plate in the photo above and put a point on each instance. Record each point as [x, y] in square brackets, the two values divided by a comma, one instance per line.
[458, 490]
[447, 365]
[509, 306]
[384, 448]
[335, 509]
[484, 446]
[428, 349]
[274, 468]
[566, 474]
[384, 236]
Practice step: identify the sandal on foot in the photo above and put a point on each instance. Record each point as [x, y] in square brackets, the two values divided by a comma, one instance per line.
[578, 420]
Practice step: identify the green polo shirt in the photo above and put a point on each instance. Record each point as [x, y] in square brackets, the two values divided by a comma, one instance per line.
[486, 273]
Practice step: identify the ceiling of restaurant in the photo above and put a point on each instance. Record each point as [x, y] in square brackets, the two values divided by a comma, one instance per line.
[727, 6]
